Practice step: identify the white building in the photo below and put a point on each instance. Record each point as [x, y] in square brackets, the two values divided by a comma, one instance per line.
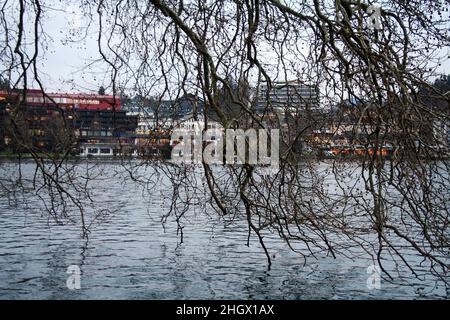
[290, 96]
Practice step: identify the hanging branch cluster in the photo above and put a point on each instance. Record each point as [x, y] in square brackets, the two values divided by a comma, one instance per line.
[226, 51]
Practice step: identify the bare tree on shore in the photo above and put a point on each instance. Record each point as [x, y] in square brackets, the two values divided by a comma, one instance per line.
[384, 55]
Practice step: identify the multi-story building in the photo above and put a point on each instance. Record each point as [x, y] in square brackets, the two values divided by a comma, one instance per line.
[290, 96]
[290, 106]
[65, 101]
[104, 132]
[156, 114]
[56, 122]
[35, 128]
[156, 120]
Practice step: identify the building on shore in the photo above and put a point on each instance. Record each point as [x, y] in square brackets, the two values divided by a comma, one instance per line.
[113, 131]
[292, 106]
[34, 121]
[156, 120]
[288, 97]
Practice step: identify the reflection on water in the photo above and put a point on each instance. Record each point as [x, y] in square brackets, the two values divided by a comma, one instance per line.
[131, 256]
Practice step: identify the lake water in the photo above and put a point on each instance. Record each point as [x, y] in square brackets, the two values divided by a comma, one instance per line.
[130, 255]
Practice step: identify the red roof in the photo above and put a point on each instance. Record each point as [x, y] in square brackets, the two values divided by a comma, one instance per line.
[75, 100]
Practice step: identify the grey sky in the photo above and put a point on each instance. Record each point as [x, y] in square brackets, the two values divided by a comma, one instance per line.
[66, 66]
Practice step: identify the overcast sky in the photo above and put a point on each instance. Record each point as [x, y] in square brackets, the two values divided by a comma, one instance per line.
[67, 66]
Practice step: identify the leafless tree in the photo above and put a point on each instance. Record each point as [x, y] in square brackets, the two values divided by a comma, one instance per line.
[166, 49]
